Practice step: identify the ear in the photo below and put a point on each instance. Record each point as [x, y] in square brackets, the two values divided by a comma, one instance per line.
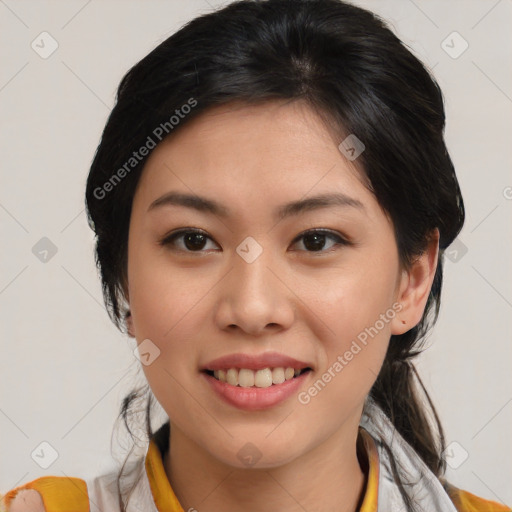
[414, 287]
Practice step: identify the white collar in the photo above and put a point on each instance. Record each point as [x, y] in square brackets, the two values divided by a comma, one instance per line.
[425, 489]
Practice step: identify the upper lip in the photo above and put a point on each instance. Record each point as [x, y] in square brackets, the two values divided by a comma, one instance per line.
[255, 362]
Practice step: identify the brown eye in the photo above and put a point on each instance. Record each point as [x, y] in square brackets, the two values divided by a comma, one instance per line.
[315, 240]
[193, 240]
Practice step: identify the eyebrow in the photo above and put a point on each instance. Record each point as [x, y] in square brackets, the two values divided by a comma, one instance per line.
[204, 204]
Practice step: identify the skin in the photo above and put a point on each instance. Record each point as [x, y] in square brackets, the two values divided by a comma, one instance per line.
[198, 305]
[27, 499]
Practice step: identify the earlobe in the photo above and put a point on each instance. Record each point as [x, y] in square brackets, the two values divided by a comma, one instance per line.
[415, 285]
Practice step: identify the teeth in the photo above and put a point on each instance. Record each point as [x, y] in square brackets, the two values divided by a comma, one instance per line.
[278, 376]
[261, 378]
[245, 378]
[232, 377]
[289, 373]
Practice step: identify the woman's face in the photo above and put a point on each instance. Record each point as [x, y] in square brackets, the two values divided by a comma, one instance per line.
[254, 285]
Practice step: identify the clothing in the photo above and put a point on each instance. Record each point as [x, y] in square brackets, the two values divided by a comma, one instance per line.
[153, 492]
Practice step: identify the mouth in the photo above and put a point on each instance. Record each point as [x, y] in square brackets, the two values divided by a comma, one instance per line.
[262, 378]
[256, 389]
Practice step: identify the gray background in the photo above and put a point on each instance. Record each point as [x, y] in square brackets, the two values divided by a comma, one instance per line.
[64, 368]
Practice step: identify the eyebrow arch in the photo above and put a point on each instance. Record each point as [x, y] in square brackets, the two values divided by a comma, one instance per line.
[204, 204]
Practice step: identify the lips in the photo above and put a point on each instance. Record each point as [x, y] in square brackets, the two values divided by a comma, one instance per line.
[255, 382]
[255, 398]
[255, 362]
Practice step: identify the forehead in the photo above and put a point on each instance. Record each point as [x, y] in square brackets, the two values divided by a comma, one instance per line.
[243, 153]
[277, 126]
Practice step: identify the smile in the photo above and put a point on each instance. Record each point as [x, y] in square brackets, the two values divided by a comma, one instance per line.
[263, 378]
[254, 398]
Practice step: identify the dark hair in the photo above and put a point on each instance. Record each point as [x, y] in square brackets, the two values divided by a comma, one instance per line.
[361, 79]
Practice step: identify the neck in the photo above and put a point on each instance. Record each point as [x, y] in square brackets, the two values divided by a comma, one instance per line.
[328, 478]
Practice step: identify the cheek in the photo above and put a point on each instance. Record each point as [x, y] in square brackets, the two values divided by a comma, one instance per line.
[160, 296]
[351, 298]
[353, 311]
[165, 305]
[162, 309]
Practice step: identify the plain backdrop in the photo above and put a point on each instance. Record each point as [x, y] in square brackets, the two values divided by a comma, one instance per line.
[64, 368]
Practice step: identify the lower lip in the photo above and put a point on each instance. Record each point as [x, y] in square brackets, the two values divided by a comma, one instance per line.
[254, 399]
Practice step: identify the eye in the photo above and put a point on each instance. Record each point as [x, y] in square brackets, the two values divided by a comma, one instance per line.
[194, 240]
[314, 239]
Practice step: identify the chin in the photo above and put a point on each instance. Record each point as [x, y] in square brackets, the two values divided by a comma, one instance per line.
[258, 453]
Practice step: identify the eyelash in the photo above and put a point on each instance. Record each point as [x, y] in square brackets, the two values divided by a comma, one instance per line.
[169, 239]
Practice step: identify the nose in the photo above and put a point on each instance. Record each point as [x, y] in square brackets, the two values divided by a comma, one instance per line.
[254, 297]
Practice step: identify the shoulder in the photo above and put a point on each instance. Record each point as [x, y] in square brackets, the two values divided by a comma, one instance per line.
[100, 493]
[47, 493]
[26, 500]
[465, 501]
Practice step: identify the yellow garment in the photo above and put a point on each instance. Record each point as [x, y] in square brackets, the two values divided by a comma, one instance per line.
[467, 502]
[64, 494]
[59, 493]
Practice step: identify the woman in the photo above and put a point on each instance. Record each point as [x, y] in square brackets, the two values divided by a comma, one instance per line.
[271, 197]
